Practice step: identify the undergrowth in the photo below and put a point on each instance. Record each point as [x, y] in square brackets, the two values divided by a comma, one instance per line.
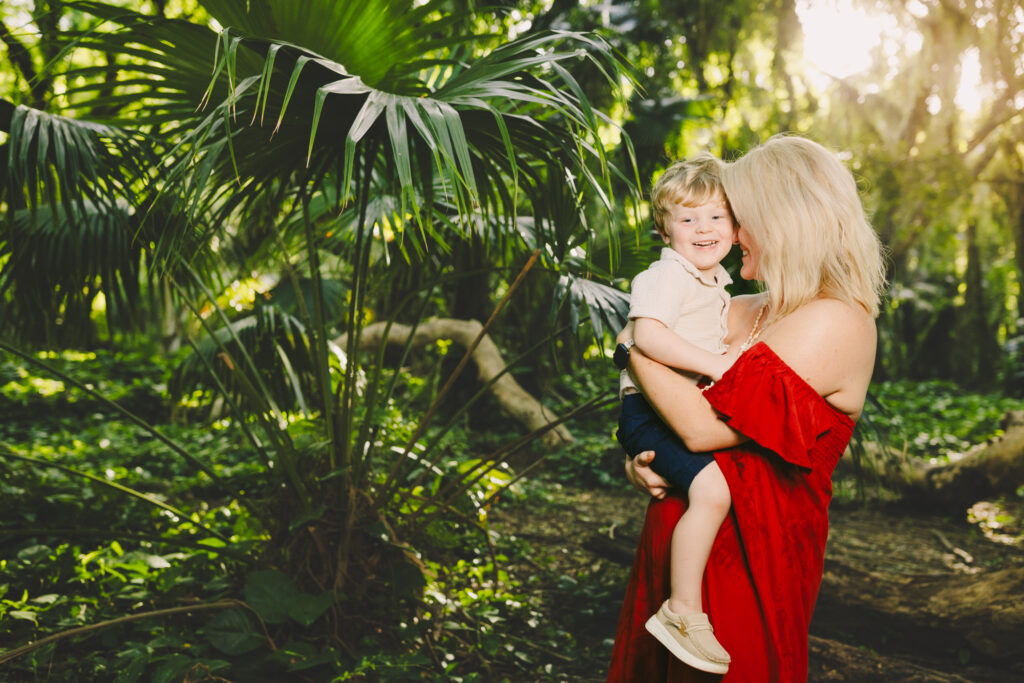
[478, 602]
[77, 552]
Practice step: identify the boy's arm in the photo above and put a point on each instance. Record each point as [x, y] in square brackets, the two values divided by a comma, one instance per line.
[658, 342]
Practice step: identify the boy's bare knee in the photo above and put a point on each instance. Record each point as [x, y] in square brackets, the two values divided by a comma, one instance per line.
[710, 490]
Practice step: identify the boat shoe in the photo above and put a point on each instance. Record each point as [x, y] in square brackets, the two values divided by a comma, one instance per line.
[690, 638]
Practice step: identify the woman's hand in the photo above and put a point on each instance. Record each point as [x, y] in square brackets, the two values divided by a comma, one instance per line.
[643, 478]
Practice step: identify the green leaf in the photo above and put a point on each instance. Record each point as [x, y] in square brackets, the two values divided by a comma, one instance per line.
[315, 513]
[270, 593]
[173, 670]
[233, 632]
[276, 599]
[35, 553]
[305, 608]
[136, 668]
[299, 656]
[26, 616]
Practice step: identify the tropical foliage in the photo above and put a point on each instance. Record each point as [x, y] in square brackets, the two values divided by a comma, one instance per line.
[209, 201]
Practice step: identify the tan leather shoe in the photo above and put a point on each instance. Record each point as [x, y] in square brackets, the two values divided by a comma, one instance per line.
[690, 638]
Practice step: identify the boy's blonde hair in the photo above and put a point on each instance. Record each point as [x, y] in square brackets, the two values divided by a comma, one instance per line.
[691, 182]
[800, 204]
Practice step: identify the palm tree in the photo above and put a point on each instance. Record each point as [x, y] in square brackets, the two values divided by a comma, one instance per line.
[358, 139]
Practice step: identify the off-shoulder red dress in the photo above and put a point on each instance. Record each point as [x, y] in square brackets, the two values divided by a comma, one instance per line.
[765, 569]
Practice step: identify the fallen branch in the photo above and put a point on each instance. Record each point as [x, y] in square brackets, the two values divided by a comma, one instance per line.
[959, 552]
[986, 471]
[82, 630]
[977, 611]
[513, 399]
[832, 660]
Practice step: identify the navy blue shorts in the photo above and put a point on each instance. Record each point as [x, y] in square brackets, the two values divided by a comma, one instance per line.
[642, 429]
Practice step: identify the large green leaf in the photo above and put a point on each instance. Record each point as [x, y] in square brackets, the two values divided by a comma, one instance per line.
[233, 632]
[276, 599]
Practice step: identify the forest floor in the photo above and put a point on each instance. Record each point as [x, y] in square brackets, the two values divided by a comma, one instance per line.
[879, 614]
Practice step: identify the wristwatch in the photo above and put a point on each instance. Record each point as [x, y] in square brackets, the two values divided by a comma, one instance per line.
[621, 355]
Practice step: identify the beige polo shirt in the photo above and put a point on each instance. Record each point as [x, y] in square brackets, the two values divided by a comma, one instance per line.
[694, 305]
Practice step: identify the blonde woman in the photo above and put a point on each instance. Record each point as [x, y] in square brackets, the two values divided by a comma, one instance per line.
[777, 421]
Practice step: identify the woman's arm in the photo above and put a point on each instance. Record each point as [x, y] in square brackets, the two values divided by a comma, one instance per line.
[830, 344]
[679, 402]
[682, 406]
[643, 478]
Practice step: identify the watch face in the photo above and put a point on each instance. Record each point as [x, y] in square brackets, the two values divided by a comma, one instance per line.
[621, 356]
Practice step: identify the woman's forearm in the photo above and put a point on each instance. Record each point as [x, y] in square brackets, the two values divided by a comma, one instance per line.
[682, 406]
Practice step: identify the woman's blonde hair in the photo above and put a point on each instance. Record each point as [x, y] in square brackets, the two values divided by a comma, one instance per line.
[800, 204]
[691, 182]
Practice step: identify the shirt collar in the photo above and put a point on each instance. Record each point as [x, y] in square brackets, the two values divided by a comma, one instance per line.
[717, 278]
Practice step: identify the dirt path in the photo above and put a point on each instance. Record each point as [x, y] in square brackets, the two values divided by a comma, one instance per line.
[885, 568]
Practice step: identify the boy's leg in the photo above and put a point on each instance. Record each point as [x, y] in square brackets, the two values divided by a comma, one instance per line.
[680, 624]
[709, 503]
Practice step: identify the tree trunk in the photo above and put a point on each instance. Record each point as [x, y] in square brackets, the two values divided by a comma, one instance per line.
[512, 398]
[1013, 204]
[171, 323]
[1014, 198]
[980, 612]
[977, 369]
[987, 471]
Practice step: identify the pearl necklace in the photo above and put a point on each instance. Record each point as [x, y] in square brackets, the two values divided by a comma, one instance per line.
[755, 331]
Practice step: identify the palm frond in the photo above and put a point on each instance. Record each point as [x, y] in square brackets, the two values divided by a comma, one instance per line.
[376, 39]
[56, 261]
[469, 127]
[69, 163]
[280, 348]
[607, 307]
[163, 68]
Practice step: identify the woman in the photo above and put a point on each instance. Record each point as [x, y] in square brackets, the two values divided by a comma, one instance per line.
[777, 421]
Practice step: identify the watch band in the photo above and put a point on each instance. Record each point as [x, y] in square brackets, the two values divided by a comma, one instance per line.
[621, 355]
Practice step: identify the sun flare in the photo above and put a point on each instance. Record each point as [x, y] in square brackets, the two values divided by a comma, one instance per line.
[841, 40]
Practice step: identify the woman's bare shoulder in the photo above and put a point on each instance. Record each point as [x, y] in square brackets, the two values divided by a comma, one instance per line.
[829, 314]
[748, 302]
[831, 344]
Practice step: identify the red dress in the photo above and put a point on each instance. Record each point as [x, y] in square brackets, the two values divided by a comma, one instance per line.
[766, 564]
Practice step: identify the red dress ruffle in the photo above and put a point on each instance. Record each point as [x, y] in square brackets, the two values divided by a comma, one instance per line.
[766, 564]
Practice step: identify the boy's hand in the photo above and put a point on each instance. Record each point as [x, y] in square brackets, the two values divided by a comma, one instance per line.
[723, 363]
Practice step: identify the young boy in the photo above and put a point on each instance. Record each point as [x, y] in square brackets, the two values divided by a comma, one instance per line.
[679, 307]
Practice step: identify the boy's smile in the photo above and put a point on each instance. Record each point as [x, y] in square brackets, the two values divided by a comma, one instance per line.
[703, 235]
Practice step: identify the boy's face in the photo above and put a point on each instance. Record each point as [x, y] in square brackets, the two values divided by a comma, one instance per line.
[703, 235]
